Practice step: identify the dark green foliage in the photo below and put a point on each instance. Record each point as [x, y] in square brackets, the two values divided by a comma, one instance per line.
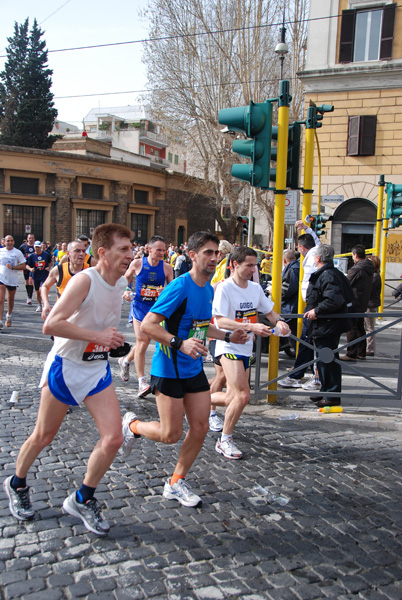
[27, 110]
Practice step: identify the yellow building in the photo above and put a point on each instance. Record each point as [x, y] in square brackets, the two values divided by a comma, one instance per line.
[355, 63]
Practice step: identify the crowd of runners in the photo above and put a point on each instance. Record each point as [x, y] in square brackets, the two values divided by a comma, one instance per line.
[213, 297]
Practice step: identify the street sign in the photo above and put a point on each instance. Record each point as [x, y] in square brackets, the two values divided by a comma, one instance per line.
[291, 201]
[27, 229]
[332, 199]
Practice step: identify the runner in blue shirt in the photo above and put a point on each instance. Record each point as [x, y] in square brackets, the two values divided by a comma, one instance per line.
[184, 310]
[39, 263]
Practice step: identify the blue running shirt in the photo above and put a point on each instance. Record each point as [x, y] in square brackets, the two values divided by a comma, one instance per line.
[187, 309]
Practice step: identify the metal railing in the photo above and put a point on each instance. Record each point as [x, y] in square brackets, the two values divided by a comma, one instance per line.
[328, 355]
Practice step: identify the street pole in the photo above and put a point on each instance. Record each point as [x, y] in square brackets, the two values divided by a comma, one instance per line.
[250, 217]
[279, 225]
[383, 256]
[378, 231]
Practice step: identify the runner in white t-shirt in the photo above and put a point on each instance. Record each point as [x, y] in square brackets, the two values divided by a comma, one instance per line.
[236, 305]
[11, 261]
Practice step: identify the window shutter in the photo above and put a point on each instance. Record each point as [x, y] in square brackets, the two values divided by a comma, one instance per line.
[387, 32]
[347, 36]
[353, 136]
[368, 126]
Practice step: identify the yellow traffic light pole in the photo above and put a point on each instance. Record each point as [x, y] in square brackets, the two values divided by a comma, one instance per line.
[378, 231]
[279, 225]
[307, 196]
[383, 256]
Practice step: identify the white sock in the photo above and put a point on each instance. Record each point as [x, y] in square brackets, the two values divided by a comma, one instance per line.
[225, 437]
[125, 362]
[212, 413]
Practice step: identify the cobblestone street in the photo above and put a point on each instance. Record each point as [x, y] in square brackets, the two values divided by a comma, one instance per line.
[312, 510]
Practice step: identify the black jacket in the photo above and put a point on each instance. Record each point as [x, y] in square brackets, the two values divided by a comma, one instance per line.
[290, 287]
[375, 298]
[361, 279]
[326, 296]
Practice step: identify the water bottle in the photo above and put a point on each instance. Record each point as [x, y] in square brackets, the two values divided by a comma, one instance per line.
[331, 409]
[278, 333]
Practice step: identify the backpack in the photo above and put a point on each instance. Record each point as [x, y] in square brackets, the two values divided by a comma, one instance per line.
[348, 322]
[183, 267]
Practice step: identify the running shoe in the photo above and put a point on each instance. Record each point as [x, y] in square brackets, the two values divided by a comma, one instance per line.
[228, 448]
[39, 309]
[143, 388]
[181, 491]
[313, 384]
[8, 320]
[215, 423]
[89, 513]
[19, 502]
[289, 382]
[29, 301]
[128, 435]
[124, 369]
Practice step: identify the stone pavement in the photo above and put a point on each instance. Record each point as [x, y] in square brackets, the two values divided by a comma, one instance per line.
[312, 510]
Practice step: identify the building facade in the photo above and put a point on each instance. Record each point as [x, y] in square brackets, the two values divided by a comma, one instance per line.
[354, 62]
[57, 195]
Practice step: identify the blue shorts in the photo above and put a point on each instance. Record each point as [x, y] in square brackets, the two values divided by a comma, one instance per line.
[139, 310]
[71, 384]
[245, 359]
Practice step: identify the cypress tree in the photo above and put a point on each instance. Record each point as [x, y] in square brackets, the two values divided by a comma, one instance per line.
[27, 110]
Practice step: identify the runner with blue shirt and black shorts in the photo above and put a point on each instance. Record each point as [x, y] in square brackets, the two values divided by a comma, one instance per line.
[184, 309]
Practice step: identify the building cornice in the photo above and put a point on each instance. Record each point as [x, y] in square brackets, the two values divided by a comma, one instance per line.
[354, 77]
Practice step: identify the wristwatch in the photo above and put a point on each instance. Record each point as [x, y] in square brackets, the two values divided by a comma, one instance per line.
[227, 336]
[175, 342]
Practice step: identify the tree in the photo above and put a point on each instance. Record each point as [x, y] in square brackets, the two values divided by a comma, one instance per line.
[27, 110]
[204, 56]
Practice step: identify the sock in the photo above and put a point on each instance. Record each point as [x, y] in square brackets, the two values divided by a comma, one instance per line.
[8, 315]
[141, 379]
[225, 437]
[175, 478]
[133, 426]
[125, 362]
[29, 291]
[85, 493]
[18, 482]
[212, 413]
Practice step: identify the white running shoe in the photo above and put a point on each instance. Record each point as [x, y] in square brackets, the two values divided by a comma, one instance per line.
[89, 513]
[289, 382]
[228, 448]
[39, 309]
[143, 388]
[8, 320]
[312, 384]
[215, 423]
[129, 437]
[124, 369]
[29, 301]
[19, 501]
[181, 491]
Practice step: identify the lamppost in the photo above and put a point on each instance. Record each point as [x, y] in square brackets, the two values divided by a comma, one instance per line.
[282, 48]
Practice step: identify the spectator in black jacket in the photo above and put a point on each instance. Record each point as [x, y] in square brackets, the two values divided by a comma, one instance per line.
[373, 305]
[325, 296]
[361, 279]
[290, 286]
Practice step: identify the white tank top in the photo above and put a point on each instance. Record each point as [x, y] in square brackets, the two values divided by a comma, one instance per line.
[100, 309]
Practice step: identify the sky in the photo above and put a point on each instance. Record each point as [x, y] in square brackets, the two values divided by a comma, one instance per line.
[73, 23]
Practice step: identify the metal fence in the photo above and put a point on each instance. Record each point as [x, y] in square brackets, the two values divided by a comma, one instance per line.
[327, 355]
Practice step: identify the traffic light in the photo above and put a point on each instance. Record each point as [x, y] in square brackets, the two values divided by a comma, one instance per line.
[394, 205]
[317, 223]
[255, 121]
[293, 158]
[243, 222]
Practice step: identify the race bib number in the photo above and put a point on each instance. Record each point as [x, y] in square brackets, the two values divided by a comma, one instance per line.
[199, 330]
[246, 316]
[150, 293]
[41, 264]
[95, 352]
